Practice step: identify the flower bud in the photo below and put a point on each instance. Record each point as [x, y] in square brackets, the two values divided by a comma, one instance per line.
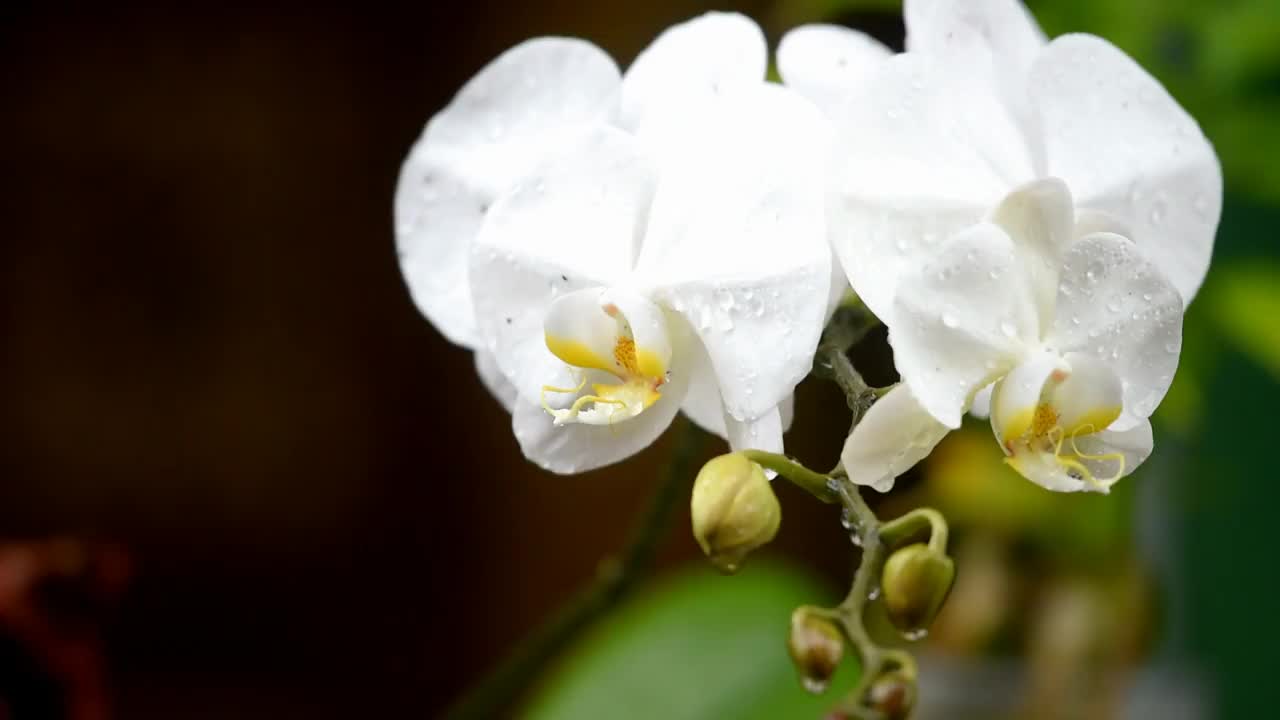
[734, 510]
[893, 695]
[916, 580]
[816, 646]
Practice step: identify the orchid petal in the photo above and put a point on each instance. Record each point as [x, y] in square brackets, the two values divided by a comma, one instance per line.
[1118, 307]
[894, 435]
[690, 61]
[493, 380]
[827, 63]
[571, 224]
[1126, 147]
[702, 403]
[962, 321]
[981, 405]
[929, 150]
[534, 97]
[736, 244]
[760, 433]
[1040, 217]
[1006, 30]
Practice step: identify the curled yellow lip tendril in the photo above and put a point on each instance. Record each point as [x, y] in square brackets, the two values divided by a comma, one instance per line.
[1045, 426]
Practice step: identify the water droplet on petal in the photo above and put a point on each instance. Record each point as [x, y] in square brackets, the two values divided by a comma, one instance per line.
[1008, 328]
[1158, 210]
[949, 320]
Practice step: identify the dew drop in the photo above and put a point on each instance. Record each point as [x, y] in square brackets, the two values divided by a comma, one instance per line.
[813, 685]
[949, 320]
[1171, 348]
[915, 635]
[874, 594]
[1008, 329]
[1113, 305]
[1091, 276]
[1158, 210]
[1200, 204]
[1075, 320]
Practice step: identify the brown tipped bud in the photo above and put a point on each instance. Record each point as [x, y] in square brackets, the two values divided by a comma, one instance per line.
[816, 646]
[916, 580]
[734, 510]
[893, 695]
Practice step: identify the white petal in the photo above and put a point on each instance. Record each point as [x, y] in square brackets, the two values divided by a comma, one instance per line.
[1006, 29]
[493, 379]
[1040, 219]
[894, 435]
[736, 242]
[690, 61]
[531, 99]
[762, 433]
[981, 406]
[926, 151]
[576, 448]
[571, 224]
[1006, 24]
[828, 63]
[962, 321]
[702, 403]
[1116, 306]
[1126, 147]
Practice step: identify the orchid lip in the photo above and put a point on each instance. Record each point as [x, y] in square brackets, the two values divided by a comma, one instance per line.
[607, 331]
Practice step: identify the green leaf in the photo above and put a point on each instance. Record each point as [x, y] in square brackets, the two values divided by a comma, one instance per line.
[699, 645]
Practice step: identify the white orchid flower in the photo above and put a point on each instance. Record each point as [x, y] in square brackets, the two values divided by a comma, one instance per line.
[930, 140]
[681, 267]
[530, 103]
[1079, 333]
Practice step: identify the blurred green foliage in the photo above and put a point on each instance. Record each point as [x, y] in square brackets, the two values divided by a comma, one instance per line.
[699, 645]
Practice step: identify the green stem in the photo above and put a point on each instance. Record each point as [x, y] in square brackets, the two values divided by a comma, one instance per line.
[815, 483]
[616, 577]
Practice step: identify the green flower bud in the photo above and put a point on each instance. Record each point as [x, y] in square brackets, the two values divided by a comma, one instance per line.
[734, 510]
[816, 646]
[916, 580]
[893, 695]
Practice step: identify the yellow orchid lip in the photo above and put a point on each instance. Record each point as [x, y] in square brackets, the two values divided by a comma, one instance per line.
[1037, 435]
[592, 332]
[1040, 415]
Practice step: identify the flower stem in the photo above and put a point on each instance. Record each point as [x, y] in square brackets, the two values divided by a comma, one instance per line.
[873, 659]
[614, 580]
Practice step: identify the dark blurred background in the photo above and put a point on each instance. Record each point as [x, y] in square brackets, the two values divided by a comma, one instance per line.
[240, 476]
